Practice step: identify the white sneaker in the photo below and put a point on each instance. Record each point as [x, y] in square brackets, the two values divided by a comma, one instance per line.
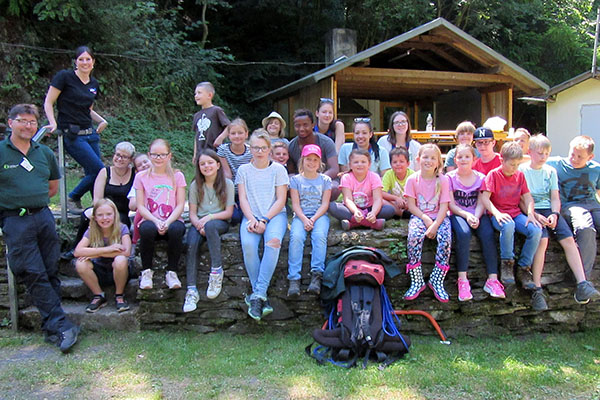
[172, 280]
[146, 281]
[191, 299]
[215, 283]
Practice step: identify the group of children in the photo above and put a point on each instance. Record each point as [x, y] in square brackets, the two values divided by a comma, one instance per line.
[480, 191]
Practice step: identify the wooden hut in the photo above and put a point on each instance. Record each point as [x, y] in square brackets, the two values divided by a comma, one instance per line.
[434, 69]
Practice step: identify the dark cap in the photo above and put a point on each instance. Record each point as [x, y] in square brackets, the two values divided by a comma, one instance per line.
[483, 133]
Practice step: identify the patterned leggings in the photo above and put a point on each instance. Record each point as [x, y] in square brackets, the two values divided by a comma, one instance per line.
[416, 236]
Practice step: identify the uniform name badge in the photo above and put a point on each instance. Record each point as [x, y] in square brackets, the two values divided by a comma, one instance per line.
[26, 164]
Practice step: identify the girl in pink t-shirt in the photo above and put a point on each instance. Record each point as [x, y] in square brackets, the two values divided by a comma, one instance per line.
[428, 195]
[160, 197]
[363, 199]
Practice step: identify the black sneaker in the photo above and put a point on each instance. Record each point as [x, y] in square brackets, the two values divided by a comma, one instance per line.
[255, 309]
[538, 300]
[69, 338]
[121, 303]
[585, 292]
[525, 277]
[67, 255]
[97, 303]
[267, 308]
[52, 339]
[315, 284]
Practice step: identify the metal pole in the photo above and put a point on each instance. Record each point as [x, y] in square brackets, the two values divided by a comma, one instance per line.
[13, 300]
[63, 179]
[594, 56]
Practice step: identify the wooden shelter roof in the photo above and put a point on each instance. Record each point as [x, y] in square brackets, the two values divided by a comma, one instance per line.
[432, 59]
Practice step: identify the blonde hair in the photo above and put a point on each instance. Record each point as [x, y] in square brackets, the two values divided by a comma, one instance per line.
[523, 130]
[239, 122]
[465, 126]
[209, 87]
[96, 236]
[438, 169]
[301, 164]
[511, 151]
[539, 142]
[169, 169]
[468, 147]
[583, 142]
[280, 143]
[261, 133]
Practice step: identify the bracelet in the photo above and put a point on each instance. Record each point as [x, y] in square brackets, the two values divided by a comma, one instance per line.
[266, 220]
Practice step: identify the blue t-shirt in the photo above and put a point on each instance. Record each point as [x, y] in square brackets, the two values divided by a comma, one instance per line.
[376, 166]
[540, 183]
[310, 192]
[576, 185]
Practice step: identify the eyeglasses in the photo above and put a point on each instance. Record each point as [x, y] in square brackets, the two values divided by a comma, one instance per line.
[26, 122]
[483, 142]
[326, 100]
[365, 120]
[159, 155]
[121, 157]
[259, 149]
[400, 123]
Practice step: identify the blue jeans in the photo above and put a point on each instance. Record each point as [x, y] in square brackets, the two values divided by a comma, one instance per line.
[487, 239]
[318, 239]
[85, 149]
[507, 239]
[260, 270]
[213, 230]
[33, 252]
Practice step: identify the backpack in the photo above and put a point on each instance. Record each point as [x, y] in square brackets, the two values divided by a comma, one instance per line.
[361, 322]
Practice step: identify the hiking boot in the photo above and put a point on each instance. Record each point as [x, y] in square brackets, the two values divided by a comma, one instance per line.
[67, 255]
[506, 272]
[215, 283]
[524, 276]
[52, 339]
[74, 206]
[191, 299]
[146, 279]
[585, 292]
[255, 308]
[436, 282]
[538, 300]
[417, 283]
[464, 290]
[294, 289]
[266, 308]
[172, 280]
[121, 304]
[68, 339]
[494, 288]
[315, 283]
[97, 303]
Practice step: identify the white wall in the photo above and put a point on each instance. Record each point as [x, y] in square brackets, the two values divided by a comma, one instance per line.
[563, 117]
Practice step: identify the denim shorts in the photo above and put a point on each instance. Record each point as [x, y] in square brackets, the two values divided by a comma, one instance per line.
[561, 231]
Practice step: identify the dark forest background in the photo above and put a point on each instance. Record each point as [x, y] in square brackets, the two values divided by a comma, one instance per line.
[150, 54]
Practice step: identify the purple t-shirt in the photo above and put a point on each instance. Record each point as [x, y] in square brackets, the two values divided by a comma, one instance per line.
[465, 196]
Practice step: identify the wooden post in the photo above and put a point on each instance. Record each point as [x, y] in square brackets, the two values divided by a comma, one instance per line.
[63, 178]
[13, 300]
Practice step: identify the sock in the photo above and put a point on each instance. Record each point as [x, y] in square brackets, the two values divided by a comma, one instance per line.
[193, 287]
[102, 294]
[218, 270]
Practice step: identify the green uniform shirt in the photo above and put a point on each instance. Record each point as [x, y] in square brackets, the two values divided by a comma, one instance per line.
[24, 179]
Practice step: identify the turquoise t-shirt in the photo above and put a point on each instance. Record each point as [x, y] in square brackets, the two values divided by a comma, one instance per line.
[576, 185]
[540, 182]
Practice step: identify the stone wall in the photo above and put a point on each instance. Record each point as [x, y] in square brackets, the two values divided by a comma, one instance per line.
[161, 308]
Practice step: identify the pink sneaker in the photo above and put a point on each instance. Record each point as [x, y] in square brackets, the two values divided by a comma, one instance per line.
[494, 288]
[464, 290]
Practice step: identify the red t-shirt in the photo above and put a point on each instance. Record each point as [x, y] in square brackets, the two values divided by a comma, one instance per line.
[485, 168]
[506, 190]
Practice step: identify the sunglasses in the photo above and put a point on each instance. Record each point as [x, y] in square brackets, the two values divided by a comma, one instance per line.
[326, 100]
[363, 119]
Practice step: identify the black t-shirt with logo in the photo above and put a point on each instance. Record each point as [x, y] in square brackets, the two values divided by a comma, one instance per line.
[75, 99]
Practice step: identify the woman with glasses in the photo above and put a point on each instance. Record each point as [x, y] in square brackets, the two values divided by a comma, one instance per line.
[74, 92]
[364, 139]
[399, 136]
[328, 125]
[262, 188]
[113, 183]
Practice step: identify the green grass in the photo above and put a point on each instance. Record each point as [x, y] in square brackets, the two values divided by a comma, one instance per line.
[154, 365]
